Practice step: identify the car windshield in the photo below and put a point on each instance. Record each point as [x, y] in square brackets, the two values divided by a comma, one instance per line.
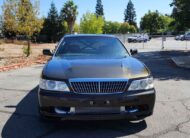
[91, 46]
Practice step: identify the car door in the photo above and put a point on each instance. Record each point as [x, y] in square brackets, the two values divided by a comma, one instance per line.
[188, 36]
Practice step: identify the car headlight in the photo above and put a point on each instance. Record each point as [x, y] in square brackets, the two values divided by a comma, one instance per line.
[142, 84]
[53, 85]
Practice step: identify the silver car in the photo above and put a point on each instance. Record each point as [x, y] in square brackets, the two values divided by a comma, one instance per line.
[187, 36]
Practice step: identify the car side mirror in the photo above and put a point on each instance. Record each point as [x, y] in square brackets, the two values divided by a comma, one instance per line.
[47, 52]
[134, 51]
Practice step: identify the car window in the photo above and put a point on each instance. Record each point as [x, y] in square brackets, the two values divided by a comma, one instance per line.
[91, 46]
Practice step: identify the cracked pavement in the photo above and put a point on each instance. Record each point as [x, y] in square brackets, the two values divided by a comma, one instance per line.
[171, 119]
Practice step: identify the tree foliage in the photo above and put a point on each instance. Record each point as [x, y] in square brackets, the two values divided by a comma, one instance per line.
[124, 28]
[154, 22]
[111, 27]
[167, 22]
[151, 22]
[27, 18]
[21, 17]
[132, 29]
[51, 24]
[130, 14]
[181, 13]
[28, 22]
[116, 27]
[69, 14]
[91, 24]
[1, 26]
[76, 28]
[9, 22]
[99, 8]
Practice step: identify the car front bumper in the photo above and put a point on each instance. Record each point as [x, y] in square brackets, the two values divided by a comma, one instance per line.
[64, 106]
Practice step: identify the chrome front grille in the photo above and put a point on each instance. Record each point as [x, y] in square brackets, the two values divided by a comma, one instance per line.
[99, 85]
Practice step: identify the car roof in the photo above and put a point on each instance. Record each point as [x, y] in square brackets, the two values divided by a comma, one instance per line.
[91, 35]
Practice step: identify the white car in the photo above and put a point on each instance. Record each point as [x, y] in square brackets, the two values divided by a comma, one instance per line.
[179, 37]
[139, 38]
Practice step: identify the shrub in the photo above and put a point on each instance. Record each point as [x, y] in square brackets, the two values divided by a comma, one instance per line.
[111, 27]
[124, 28]
[91, 24]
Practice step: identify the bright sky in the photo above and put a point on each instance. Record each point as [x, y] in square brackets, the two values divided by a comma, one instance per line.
[113, 9]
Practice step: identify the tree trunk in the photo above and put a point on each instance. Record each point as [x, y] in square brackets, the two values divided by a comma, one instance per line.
[71, 27]
[28, 49]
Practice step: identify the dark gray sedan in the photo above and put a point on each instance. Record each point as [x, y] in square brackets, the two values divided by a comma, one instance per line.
[94, 77]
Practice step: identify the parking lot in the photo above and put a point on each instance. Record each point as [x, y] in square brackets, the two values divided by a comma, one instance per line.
[19, 113]
[156, 44]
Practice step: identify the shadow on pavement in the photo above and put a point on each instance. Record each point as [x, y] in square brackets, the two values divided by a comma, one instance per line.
[25, 122]
[161, 65]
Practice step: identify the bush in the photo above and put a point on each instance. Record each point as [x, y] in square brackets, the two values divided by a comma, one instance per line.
[132, 29]
[111, 27]
[124, 28]
[91, 24]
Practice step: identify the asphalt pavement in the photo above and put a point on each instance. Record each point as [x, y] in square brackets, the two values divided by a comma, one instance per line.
[171, 119]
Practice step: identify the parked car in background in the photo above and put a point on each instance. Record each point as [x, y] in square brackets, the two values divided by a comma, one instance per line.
[179, 37]
[94, 77]
[138, 38]
[187, 36]
[132, 39]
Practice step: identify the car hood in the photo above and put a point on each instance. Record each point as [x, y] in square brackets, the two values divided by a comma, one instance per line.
[60, 68]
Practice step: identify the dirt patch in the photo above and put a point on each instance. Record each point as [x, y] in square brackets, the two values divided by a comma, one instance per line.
[12, 50]
[12, 56]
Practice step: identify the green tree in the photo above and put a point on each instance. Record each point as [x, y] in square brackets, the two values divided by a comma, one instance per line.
[132, 29]
[9, 22]
[111, 27]
[130, 14]
[167, 22]
[69, 14]
[181, 13]
[28, 21]
[51, 24]
[76, 28]
[99, 8]
[124, 28]
[1, 26]
[91, 24]
[151, 22]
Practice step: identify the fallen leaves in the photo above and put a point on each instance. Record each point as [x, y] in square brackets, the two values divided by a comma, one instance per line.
[22, 62]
